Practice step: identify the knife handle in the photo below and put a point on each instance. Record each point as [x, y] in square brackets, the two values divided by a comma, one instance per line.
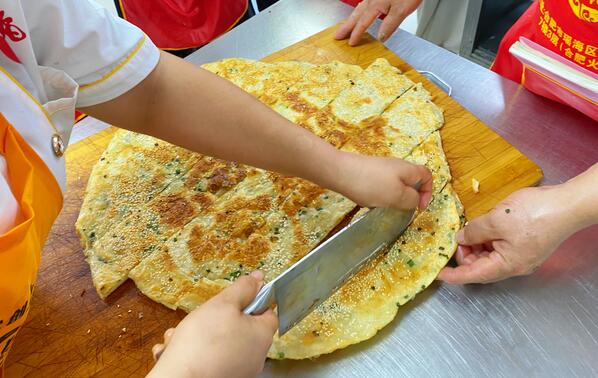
[262, 302]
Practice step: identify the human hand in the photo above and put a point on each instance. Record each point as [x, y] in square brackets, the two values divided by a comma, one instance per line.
[382, 182]
[517, 236]
[217, 339]
[395, 11]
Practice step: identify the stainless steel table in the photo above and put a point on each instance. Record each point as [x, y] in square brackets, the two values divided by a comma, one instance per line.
[542, 325]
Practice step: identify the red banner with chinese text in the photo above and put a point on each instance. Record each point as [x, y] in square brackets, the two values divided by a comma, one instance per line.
[569, 28]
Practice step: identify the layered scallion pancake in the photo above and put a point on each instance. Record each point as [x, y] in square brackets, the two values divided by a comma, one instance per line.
[184, 226]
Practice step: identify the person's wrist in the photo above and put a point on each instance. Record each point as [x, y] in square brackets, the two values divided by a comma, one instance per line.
[569, 213]
[333, 173]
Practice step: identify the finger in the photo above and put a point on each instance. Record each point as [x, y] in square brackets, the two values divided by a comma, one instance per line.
[362, 25]
[479, 231]
[484, 269]
[408, 198]
[157, 351]
[268, 320]
[390, 23]
[425, 190]
[345, 30]
[470, 259]
[419, 174]
[463, 255]
[168, 335]
[242, 291]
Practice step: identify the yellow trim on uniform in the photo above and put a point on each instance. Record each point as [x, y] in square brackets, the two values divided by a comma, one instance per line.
[122, 9]
[80, 117]
[118, 67]
[31, 97]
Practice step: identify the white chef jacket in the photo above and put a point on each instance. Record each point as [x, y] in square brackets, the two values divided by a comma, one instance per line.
[64, 54]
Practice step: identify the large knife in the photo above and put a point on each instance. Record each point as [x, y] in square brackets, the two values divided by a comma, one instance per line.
[314, 278]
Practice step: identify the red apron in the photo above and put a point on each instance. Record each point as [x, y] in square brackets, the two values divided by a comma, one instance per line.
[182, 24]
[569, 28]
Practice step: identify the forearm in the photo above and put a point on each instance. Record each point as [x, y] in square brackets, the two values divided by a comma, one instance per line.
[195, 109]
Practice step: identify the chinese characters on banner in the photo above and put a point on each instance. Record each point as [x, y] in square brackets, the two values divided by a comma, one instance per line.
[581, 52]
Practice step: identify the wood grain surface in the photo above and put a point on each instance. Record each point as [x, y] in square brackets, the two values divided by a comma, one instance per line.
[70, 332]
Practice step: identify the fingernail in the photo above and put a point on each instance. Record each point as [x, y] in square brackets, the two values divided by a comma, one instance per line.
[382, 37]
[258, 275]
[461, 237]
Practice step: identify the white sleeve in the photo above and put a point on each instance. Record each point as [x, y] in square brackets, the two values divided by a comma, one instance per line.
[105, 55]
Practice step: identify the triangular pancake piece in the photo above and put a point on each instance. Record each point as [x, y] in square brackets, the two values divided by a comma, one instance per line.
[403, 125]
[149, 226]
[125, 178]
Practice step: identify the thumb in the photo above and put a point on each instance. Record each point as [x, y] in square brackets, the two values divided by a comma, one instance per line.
[485, 269]
[408, 198]
[269, 321]
[478, 231]
[243, 290]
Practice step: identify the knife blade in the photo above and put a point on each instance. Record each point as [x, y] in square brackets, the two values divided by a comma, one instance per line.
[314, 278]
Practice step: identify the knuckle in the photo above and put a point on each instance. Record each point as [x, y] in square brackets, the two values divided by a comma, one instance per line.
[361, 6]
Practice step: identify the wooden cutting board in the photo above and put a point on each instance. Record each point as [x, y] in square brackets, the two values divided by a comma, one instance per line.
[71, 332]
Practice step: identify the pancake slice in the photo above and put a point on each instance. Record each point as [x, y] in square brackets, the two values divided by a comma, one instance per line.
[403, 125]
[431, 154]
[378, 86]
[367, 97]
[148, 227]
[123, 180]
[266, 81]
[319, 86]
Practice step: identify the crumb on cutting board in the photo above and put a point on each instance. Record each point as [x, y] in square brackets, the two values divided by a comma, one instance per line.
[475, 185]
